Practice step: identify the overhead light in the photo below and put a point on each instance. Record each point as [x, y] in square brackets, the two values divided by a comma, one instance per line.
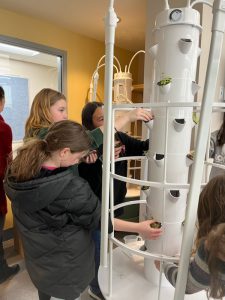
[17, 50]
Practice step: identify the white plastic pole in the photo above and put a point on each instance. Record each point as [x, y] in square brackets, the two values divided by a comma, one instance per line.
[110, 25]
[94, 82]
[110, 280]
[218, 29]
[167, 4]
[188, 3]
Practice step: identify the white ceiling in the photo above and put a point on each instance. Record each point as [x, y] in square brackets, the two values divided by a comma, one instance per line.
[86, 17]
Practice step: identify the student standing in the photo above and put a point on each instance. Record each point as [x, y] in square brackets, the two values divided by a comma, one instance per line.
[50, 106]
[55, 211]
[5, 156]
[92, 118]
[207, 267]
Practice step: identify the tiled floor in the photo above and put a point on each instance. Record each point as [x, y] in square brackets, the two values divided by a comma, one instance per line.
[20, 286]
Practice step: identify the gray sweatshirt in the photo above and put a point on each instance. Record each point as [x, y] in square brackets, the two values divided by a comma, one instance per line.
[198, 274]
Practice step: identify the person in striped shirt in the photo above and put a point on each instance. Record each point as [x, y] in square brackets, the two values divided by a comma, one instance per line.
[207, 266]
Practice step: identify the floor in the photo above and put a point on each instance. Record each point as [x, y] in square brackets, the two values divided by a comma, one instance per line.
[20, 286]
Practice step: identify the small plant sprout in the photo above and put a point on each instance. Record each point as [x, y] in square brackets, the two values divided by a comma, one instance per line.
[156, 225]
[165, 80]
[195, 118]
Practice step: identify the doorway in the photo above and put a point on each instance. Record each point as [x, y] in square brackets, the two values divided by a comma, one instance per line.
[25, 69]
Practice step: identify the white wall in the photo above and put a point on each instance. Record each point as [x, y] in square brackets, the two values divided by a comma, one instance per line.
[39, 76]
[205, 45]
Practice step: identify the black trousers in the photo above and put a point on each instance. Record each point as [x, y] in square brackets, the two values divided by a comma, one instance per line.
[2, 258]
[43, 296]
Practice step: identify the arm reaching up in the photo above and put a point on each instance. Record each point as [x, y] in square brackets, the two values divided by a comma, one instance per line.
[132, 116]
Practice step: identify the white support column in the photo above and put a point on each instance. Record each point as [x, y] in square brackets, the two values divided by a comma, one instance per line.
[218, 29]
[110, 24]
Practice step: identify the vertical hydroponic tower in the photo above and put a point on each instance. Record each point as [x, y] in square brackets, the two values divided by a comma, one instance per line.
[175, 53]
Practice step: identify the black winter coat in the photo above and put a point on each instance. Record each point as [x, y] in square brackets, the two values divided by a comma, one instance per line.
[54, 215]
[93, 172]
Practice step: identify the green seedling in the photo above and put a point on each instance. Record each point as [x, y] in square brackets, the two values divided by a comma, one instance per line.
[191, 155]
[156, 225]
[164, 81]
[144, 187]
[195, 118]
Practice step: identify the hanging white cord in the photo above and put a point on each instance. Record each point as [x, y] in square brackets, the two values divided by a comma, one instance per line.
[99, 67]
[203, 2]
[94, 82]
[140, 51]
[116, 59]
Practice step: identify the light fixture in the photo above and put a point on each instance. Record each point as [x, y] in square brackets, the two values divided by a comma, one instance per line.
[17, 50]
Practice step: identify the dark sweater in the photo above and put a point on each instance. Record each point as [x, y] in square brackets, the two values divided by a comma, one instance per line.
[93, 172]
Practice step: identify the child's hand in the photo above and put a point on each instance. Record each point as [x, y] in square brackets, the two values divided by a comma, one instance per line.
[140, 114]
[91, 157]
[118, 148]
[148, 233]
[157, 264]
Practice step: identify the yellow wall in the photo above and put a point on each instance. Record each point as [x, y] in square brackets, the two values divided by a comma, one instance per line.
[82, 56]
[82, 53]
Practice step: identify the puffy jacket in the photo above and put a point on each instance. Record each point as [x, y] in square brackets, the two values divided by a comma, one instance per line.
[55, 214]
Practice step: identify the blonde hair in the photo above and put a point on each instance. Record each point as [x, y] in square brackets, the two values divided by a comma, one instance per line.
[32, 155]
[40, 116]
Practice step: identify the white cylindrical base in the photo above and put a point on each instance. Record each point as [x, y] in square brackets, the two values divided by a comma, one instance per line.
[129, 281]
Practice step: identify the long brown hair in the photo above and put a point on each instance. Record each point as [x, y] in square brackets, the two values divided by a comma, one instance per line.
[2, 94]
[211, 207]
[40, 116]
[87, 114]
[32, 155]
[215, 244]
[211, 213]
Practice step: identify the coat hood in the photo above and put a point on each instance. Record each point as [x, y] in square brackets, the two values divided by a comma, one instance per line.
[36, 194]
